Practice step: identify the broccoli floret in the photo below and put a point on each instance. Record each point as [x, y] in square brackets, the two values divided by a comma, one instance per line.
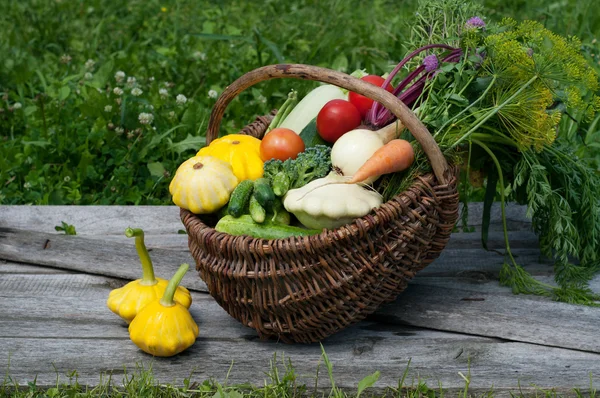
[313, 163]
[271, 168]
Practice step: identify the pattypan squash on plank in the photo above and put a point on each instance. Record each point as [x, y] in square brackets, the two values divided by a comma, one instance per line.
[128, 300]
[164, 327]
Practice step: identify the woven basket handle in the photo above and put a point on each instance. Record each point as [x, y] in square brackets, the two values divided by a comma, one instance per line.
[308, 72]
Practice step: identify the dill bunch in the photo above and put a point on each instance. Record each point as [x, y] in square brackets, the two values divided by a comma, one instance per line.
[506, 96]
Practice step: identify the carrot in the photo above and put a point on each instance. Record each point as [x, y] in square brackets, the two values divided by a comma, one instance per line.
[396, 155]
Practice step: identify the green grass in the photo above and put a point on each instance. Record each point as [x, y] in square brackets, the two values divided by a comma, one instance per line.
[65, 138]
[280, 381]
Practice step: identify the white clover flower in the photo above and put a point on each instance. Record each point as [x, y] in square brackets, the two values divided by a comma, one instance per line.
[146, 118]
[181, 99]
[199, 55]
[17, 105]
[172, 114]
[27, 185]
[118, 91]
[119, 76]
[67, 179]
[151, 78]
[88, 76]
[119, 130]
[108, 108]
[89, 64]
[65, 58]
[213, 94]
[163, 92]
[131, 81]
[136, 92]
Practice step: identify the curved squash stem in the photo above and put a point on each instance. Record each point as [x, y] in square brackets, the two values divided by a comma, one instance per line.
[167, 298]
[148, 278]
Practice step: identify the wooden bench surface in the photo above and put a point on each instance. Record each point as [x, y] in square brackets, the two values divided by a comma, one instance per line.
[453, 317]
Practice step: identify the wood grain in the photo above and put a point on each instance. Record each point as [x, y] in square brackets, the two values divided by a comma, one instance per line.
[46, 327]
[92, 256]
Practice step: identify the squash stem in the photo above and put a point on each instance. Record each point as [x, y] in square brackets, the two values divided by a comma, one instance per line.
[148, 278]
[167, 298]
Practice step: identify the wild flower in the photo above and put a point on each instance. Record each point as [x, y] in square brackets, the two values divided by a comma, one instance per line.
[163, 92]
[89, 64]
[27, 185]
[17, 105]
[118, 91]
[430, 63]
[119, 76]
[67, 179]
[119, 130]
[145, 118]
[199, 55]
[131, 81]
[136, 92]
[212, 94]
[108, 108]
[88, 76]
[65, 58]
[474, 23]
[181, 99]
[172, 114]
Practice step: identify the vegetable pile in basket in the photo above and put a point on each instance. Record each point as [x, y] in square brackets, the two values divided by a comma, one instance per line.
[495, 98]
[294, 183]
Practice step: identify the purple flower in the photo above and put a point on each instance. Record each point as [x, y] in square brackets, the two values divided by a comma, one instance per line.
[475, 22]
[430, 63]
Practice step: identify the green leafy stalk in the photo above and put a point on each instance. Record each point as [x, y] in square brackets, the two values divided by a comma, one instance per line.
[148, 278]
[284, 110]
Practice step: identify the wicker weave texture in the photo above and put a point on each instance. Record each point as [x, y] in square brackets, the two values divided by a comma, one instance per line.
[303, 289]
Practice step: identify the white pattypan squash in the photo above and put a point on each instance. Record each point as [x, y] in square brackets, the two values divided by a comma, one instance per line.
[329, 202]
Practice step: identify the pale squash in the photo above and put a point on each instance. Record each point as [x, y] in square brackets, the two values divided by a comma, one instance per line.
[203, 184]
[241, 151]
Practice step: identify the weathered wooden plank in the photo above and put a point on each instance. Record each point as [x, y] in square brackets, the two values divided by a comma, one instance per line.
[521, 318]
[358, 351]
[11, 267]
[112, 220]
[93, 220]
[60, 298]
[92, 256]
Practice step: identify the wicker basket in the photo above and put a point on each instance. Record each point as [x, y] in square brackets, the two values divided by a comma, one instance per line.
[303, 289]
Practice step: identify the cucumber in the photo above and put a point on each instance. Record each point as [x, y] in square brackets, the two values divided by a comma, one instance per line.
[310, 136]
[257, 212]
[280, 214]
[264, 193]
[281, 183]
[244, 225]
[240, 197]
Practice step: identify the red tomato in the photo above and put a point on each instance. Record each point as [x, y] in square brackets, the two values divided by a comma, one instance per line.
[336, 118]
[362, 103]
[281, 143]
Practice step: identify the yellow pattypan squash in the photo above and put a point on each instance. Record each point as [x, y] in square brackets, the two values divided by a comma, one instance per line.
[128, 300]
[164, 327]
[241, 151]
[203, 184]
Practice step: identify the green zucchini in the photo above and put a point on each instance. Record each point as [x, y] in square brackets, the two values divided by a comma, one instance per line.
[264, 193]
[240, 197]
[310, 136]
[257, 212]
[244, 225]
